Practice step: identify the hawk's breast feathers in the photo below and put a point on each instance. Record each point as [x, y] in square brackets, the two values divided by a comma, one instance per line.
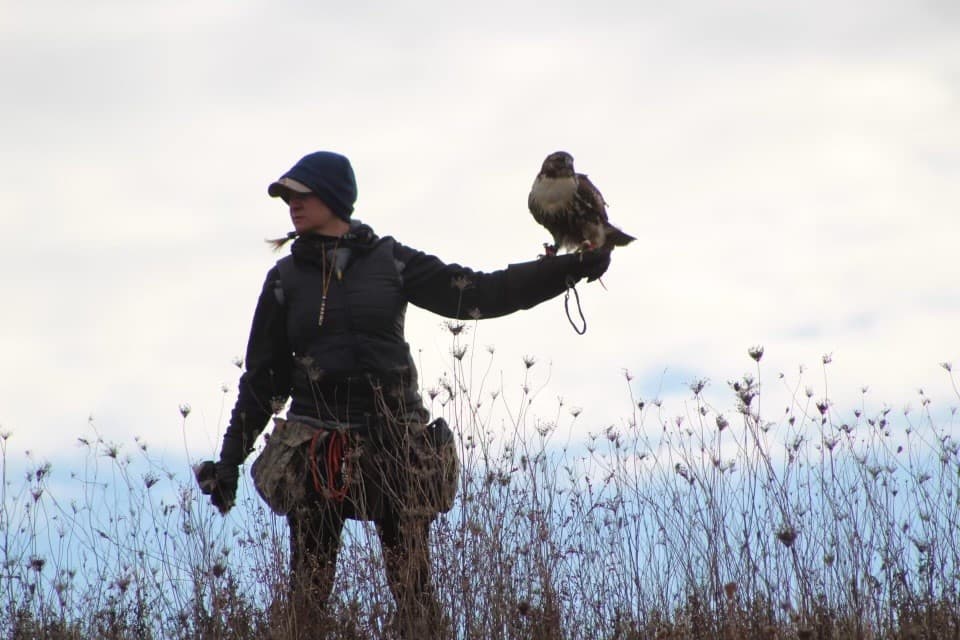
[552, 196]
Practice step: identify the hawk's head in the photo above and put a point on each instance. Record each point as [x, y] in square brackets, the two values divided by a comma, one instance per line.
[558, 164]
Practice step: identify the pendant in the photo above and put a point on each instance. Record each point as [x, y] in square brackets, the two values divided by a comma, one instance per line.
[323, 308]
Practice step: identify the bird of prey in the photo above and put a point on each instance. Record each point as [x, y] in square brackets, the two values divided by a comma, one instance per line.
[568, 205]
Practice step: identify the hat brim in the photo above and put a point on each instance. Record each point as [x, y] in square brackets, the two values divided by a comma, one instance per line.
[285, 186]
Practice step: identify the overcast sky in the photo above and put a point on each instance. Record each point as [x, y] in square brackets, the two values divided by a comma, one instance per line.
[791, 171]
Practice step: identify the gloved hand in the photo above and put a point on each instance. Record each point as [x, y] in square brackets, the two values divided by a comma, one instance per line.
[588, 264]
[219, 481]
[529, 283]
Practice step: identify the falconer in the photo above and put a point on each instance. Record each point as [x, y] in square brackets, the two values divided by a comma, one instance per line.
[328, 336]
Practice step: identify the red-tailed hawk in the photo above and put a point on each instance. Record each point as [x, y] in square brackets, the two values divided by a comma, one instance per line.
[568, 205]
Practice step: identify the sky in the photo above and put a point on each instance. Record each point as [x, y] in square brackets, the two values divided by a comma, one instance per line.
[791, 171]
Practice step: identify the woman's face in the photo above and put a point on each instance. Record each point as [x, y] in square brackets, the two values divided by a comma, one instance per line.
[310, 215]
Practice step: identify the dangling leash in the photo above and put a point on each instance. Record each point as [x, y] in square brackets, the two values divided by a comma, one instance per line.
[571, 286]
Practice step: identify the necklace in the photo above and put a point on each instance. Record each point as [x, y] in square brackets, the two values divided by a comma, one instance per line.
[326, 277]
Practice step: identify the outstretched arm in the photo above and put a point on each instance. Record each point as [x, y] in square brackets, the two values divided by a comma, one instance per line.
[455, 291]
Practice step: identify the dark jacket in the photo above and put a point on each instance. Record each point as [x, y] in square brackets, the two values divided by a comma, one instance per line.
[356, 362]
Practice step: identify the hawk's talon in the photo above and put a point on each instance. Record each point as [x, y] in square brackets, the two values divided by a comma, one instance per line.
[549, 250]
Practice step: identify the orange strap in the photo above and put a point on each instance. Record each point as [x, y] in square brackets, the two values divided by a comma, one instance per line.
[336, 450]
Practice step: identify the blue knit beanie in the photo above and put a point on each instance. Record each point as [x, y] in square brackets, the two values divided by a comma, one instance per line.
[326, 174]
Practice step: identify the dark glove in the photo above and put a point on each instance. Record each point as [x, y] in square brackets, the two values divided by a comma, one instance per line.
[588, 264]
[529, 283]
[219, 481]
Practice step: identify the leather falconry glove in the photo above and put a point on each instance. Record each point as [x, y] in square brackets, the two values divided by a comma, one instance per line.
[587, 264]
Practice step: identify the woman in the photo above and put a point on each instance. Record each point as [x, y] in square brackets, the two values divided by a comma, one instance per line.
[328, 335]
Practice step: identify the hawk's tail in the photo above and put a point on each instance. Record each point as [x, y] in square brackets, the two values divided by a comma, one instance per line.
[617, 238]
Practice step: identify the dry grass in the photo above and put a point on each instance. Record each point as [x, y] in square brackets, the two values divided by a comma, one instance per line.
[691, 525]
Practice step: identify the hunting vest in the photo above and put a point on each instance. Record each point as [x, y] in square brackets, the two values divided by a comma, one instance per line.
[355, 361]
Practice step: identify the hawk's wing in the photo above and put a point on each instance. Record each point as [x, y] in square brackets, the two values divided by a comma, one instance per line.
[590, 202]
[538, 213]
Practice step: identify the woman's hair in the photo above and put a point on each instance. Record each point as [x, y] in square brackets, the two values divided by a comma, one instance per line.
[277, 243]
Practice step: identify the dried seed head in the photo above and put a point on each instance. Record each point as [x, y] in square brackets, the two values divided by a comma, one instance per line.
[722, 423]
[36, 563]
[460, 282]
[454, 327]
[184, 409]
[787, 535]
[756, 352]
[122, 583]
[746, 390]
[697, 386]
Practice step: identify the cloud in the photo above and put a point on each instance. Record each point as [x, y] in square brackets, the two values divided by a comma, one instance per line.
[789, 172]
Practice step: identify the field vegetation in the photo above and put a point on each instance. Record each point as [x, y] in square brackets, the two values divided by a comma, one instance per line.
[756, 520]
